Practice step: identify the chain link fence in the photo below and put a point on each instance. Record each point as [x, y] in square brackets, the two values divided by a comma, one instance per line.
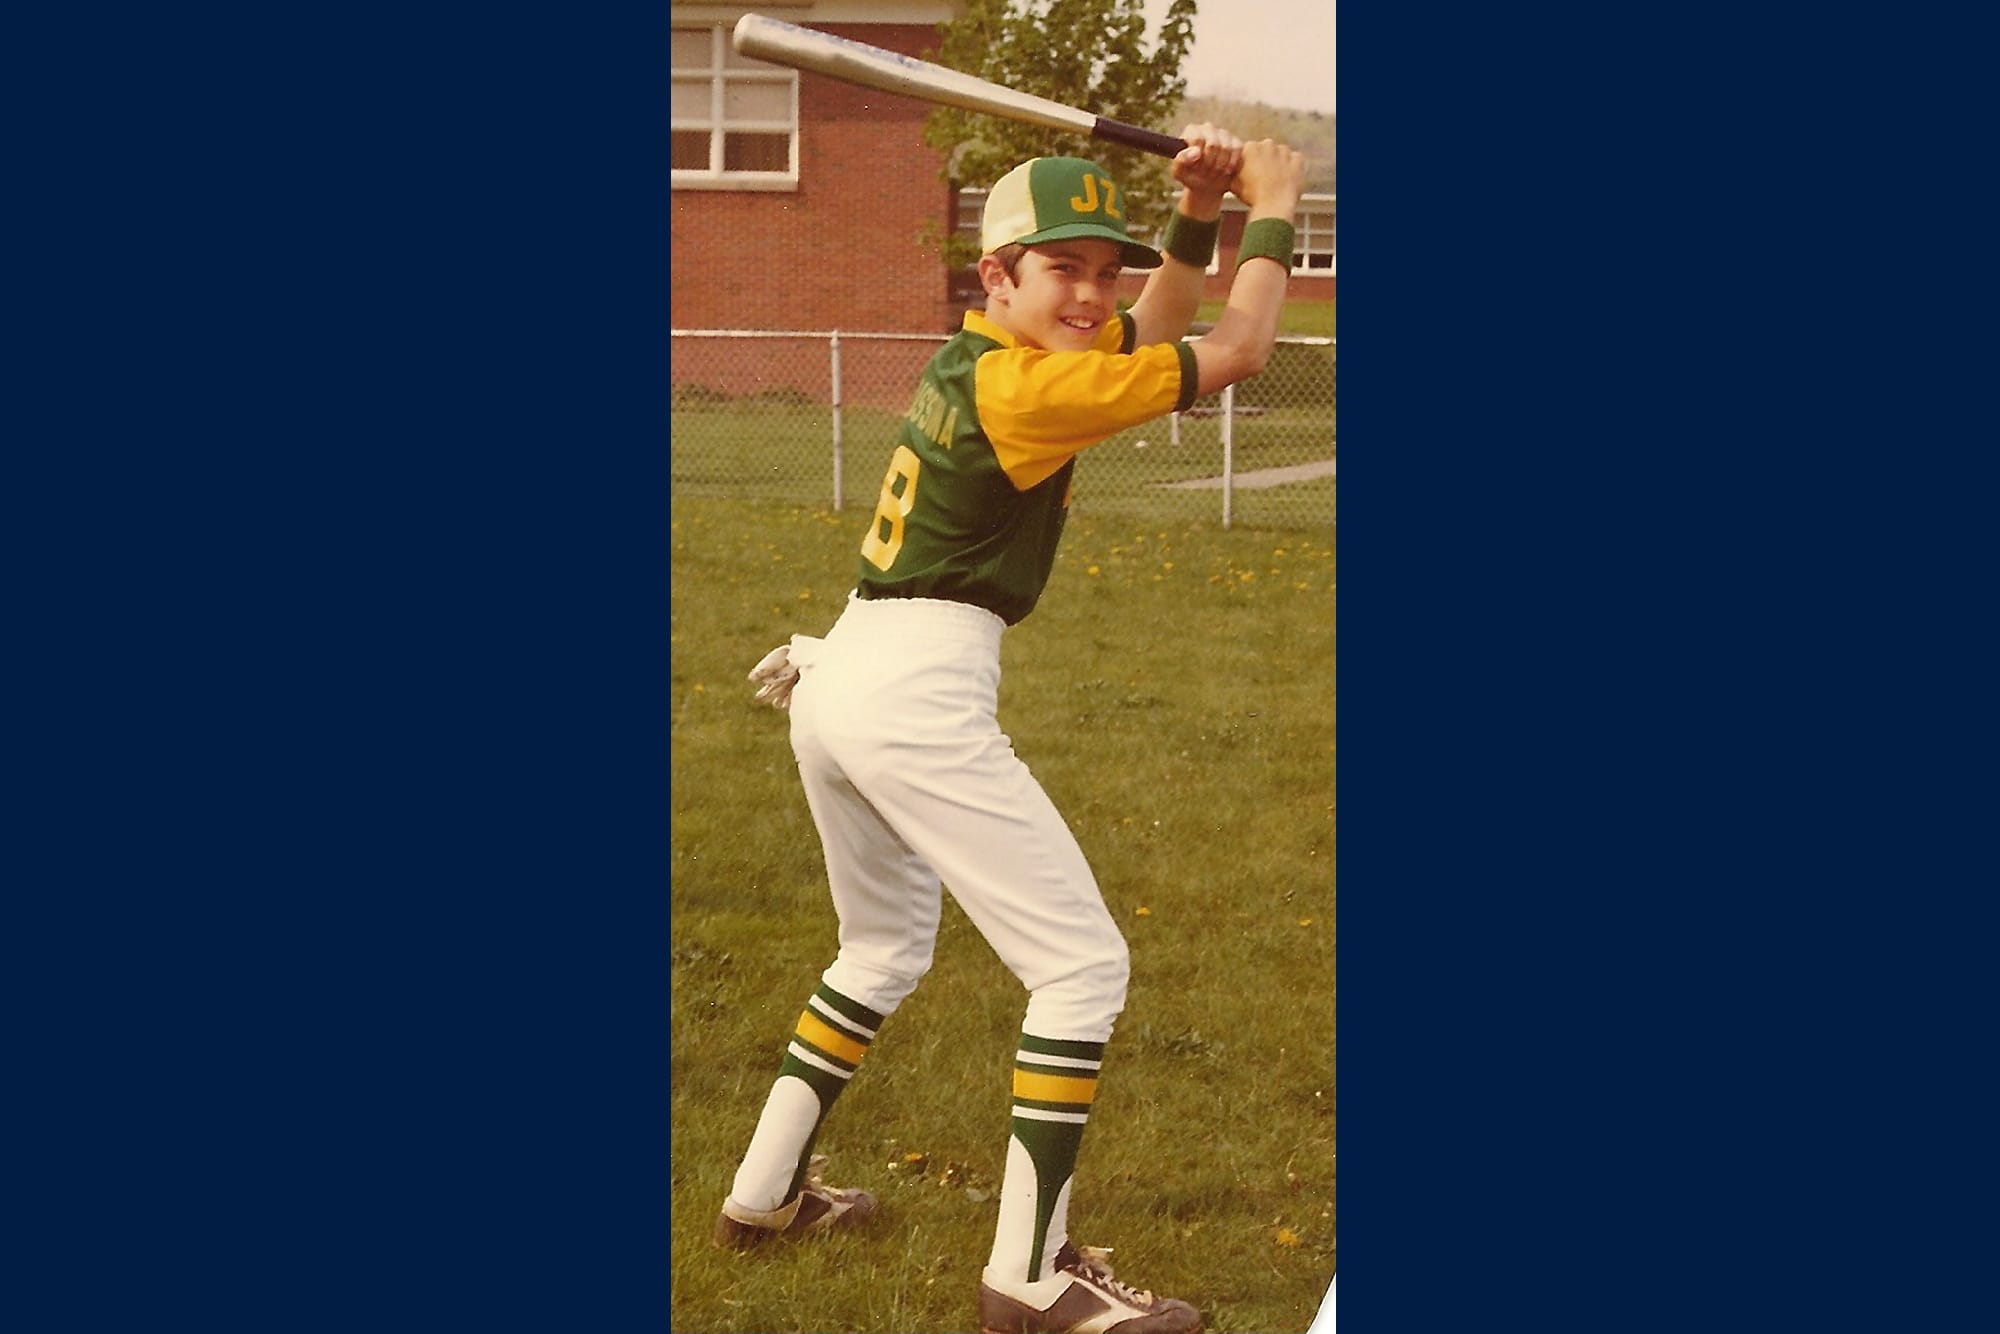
[811, 417]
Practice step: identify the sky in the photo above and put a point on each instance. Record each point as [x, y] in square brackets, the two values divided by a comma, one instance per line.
[1279, 52]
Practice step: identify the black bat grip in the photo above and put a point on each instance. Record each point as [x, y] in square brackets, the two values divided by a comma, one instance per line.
[1146, 141]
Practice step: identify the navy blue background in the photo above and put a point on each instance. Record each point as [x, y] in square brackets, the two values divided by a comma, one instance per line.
[1660, 492]
[339, 604]
[340, 612]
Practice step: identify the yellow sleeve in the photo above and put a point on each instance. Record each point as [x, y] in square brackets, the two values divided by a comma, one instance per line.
[1040, 408]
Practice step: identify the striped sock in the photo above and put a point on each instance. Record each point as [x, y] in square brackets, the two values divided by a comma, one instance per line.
[1054, 1084]
[831, 1037]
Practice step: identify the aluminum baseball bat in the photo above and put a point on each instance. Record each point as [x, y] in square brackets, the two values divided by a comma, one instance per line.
[782, 43]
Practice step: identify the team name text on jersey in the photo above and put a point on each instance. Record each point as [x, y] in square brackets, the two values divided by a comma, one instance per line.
[932, 416]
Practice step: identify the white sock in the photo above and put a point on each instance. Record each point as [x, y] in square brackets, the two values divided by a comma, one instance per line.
[764, 1180]
[1015, 1232]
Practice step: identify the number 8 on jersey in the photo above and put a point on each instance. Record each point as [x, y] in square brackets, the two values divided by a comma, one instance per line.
[879, 548]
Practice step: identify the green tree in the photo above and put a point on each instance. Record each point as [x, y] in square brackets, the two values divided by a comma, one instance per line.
[1084, 53]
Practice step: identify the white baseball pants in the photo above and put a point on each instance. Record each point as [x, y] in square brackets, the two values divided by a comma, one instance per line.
[911, 782]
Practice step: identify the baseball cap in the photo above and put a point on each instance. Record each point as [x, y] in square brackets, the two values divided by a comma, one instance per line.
[1059, 199]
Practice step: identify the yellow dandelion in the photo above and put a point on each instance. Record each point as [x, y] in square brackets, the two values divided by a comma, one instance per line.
[1093, 570]
[1305, 921]
[1287, 1237]
[1143, 912]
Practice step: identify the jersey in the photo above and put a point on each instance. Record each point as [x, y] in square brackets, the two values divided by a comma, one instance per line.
[978, 488]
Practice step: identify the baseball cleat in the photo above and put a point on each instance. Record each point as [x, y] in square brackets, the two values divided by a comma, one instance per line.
[1083, 1298]
[817, 1208]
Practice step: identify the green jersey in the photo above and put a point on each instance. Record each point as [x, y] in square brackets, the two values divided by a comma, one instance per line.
[979, 486]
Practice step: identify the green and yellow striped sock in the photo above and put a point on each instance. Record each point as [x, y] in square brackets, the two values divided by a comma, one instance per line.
[1055, 1081]
[832, 1035]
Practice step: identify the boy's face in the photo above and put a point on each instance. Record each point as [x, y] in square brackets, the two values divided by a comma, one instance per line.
[1060, 296]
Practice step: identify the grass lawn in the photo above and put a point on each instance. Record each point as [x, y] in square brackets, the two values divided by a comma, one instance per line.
[1314, 318]
[1174, 692]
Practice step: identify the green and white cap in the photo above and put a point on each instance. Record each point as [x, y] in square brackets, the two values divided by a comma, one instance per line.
[1059, 199]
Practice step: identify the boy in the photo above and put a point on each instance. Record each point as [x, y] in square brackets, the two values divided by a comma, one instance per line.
[907, 774]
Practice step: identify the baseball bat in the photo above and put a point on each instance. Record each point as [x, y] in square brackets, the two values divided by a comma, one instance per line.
[784, 43]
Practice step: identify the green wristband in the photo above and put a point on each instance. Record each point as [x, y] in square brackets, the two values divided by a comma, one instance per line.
[1190, 241]
[1266, 238]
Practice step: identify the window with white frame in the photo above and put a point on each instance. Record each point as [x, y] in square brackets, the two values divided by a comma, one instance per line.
[971, 212]
[735, 120]
[1313, 247]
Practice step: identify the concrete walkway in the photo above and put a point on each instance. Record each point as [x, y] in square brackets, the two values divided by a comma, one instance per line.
[1258, 480]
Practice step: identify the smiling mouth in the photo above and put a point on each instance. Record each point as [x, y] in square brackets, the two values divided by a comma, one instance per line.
[1080, 324]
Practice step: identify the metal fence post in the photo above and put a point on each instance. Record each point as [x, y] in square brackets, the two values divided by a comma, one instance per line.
[834, 339]
[1228, 450]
